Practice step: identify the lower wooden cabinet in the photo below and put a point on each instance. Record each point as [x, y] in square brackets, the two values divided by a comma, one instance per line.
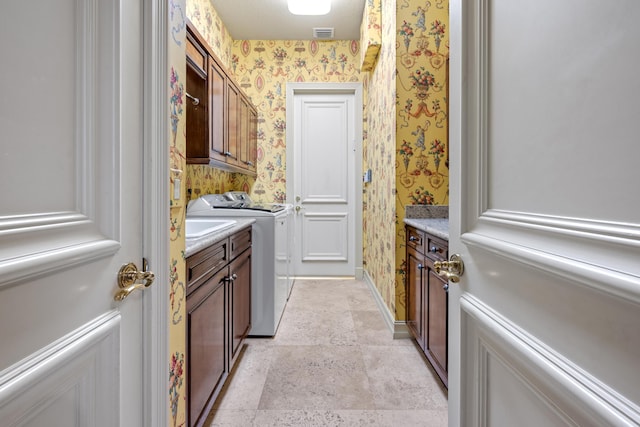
[206, 343]
[427, 297]
[218, 318]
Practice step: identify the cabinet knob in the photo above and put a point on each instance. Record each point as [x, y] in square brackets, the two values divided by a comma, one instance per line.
[227, 153]
[446, 287]
[420, 266]
[412, 238]
[233, 277]
[433, 249]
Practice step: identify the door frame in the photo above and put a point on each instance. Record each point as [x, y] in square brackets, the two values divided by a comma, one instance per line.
[155, 221]
[355, 89]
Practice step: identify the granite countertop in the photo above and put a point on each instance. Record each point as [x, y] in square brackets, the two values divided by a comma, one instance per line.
[439, 227]
[194, 245]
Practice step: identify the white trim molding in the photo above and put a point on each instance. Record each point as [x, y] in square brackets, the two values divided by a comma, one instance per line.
[571, 395]
[568, 247]
[398, 328]
[69, 376]
[156, 213]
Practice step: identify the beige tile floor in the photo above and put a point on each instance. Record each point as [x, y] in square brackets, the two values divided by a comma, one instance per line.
[333, 362]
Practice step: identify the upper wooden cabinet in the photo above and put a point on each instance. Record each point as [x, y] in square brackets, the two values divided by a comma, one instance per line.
[222, 127]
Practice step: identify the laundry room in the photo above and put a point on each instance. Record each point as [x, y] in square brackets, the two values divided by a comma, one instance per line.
[294, 135]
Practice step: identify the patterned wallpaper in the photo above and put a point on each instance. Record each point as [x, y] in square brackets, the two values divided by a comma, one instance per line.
[177, 296]
[263, 68]
[379, 156]
[370, 34]
[422, 160]
[404, 130]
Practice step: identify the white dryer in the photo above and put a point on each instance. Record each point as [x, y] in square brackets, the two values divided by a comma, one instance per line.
[271, 277]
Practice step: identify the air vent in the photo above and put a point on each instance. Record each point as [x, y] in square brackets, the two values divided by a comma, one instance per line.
[323, 33]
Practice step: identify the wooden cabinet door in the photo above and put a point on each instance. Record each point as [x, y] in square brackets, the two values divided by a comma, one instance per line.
[197, 102]
[243, 143]
[206, 350]
[414, 292]
[253, 138]
[218, 114]
[233, 123]
[437, 324]
[240, 294]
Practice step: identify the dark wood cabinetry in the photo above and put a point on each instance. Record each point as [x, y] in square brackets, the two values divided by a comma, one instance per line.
[218, 116]
[427, 297]
[222, 128]
[218, 318]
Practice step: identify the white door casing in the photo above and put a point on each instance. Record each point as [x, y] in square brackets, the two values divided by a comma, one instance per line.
[324, 164]
[544, 129]
[72, 160]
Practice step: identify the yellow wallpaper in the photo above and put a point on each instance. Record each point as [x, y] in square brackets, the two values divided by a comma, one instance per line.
[177, 340]
[370, 34]
[379, 155]
[405, 119]
[422, 160]
[263, 68]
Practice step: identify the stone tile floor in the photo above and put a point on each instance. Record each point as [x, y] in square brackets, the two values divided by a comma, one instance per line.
[333, 362]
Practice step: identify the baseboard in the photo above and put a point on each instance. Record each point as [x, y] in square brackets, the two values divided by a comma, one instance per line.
[397, 327]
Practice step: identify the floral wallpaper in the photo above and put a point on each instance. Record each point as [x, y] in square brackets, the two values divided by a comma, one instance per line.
[176, 389]
[379, 156]
[405, 119]
[370, 34]
[263, 68]
[422, 160]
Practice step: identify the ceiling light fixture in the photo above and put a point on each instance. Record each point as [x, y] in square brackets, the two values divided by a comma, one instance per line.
[309, 7]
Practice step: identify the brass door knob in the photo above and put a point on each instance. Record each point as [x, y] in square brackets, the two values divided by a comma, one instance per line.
[451, 269]
[130, 279]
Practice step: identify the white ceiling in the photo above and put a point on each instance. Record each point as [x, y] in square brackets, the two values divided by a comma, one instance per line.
[271, 20]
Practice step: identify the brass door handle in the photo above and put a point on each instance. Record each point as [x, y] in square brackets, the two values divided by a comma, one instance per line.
[451, 269]
[129, 278]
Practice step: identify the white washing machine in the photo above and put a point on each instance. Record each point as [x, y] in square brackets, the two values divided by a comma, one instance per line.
[271, 276]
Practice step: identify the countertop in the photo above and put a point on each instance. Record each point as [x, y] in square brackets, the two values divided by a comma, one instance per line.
[194, 245]
[439, 227]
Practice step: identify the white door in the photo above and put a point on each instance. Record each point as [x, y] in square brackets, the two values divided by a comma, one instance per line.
[324, 143]
[545, 101]
[71, 162]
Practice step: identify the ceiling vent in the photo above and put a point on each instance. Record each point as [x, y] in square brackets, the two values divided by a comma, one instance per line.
[323, 33]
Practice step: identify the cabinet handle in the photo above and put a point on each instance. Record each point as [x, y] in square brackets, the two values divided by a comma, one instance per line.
[420, 266]
[233, 277]
[227, 153]
[433, 249]
[412, 238]
[446, 287]
[249, 163]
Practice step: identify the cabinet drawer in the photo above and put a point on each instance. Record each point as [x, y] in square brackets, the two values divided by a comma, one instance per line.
[436, 249]
[239, 242]
[205, 263]
[415, 239]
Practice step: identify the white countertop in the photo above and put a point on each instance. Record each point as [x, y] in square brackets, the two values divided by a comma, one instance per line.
[194, 245]
[439, 227]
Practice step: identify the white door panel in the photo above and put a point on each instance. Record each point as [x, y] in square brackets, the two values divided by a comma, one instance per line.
[543, 130]
[323, 237]
[72, 160]
[325, 164]
[324, 158]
